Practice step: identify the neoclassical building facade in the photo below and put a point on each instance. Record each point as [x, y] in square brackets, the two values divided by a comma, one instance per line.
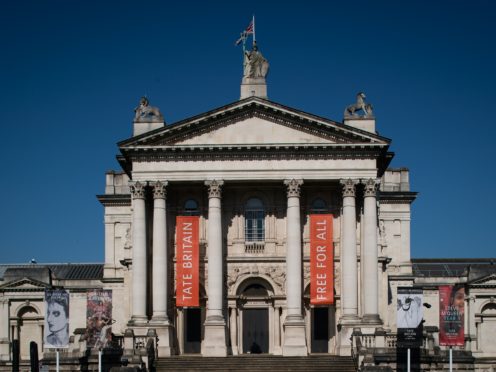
[252, 174]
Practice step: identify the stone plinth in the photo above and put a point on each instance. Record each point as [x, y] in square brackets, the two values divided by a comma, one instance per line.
[294, 338]
[140, 128]
[214, 343]
[253, 87]
[366, 124]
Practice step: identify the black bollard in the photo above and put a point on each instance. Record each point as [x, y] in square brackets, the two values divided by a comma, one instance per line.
[33, 357]
[15, 356]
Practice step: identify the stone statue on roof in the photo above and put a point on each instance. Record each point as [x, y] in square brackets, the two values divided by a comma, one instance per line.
[352, 110]
[147, 114]
[254, 64]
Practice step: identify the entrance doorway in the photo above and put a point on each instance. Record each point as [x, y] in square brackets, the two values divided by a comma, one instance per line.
[255, 331]
[192, 331]
[320, 330]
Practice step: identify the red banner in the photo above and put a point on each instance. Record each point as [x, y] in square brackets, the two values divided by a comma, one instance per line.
[321, 260]
[187, 261]
[451, 315]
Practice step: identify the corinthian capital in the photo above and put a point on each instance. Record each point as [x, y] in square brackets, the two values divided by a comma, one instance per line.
[138, 189]
[159, 189]
[349, 186]
[370, 186]
[214, 188]
[294, 187]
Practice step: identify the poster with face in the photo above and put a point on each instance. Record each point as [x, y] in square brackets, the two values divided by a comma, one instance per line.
[409, 316]
[451, 315]
[56, 335]
[99, 318]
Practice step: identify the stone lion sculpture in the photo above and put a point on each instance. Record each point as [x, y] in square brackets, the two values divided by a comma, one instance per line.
[360, 105]
[146, 113]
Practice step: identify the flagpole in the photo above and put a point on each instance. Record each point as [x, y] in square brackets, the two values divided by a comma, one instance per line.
[254, 38]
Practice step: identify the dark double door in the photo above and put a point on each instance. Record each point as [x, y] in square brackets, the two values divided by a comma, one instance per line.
[192, 331]
[255, 331]
[320, 330]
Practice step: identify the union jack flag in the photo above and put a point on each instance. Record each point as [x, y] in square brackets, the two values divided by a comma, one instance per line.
[245, 33]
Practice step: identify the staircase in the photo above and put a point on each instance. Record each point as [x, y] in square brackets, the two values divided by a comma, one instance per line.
[257, 363]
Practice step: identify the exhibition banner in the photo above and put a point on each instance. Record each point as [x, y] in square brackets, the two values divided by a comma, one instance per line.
[451, 315]
[56, 335]
[187, 261]
[321, 260]
[99, 318]
[409, 317]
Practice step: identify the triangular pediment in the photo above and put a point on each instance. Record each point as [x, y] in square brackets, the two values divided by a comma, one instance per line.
[24, 284]
[255, 121]
[485, 281]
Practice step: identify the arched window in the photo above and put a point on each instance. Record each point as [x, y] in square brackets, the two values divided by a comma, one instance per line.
[254, 220]
[191, 207]
[319, 206]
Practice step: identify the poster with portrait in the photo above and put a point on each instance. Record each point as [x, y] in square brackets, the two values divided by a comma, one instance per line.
[99, 318]
[56, 335]
[409, 316]
[451, 315]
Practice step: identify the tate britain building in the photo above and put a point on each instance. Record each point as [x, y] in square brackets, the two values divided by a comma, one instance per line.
[255, 228]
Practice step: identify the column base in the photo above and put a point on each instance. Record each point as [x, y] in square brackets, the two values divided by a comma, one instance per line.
[294, 337]
[349, 319]
[214, 343]
[159, 320]
[372, 319]
[164, 344]
[138, 320]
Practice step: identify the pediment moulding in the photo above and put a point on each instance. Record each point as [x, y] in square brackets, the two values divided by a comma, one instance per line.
[263, 109]
[24, 285]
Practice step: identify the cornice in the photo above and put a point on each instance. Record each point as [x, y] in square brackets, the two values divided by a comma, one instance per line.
[113, 200]
[397, 197]
[258, 152]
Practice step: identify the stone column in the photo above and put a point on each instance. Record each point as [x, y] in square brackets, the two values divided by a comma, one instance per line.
[349, 271]
[277, 330]
[294, 325]
[160, 269]
[233, 325]
[214, 343]
[369, 259]
[4, 329]
[139, 254]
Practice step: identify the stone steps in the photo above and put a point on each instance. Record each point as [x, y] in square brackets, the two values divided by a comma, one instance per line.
[274, 363]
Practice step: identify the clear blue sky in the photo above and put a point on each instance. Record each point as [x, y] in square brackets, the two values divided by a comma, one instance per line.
[71, 73]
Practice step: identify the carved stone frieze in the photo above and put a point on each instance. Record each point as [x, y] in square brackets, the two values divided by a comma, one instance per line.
[371, 186]
[138, 189]
[128, 238]
[237, 274]
[349, 186]
[214, 188]
[294, 187]
[278, 275]
[159, 189]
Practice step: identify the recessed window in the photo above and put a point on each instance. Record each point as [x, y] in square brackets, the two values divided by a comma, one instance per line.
[319, 206]
[191, 207]
[254, 220]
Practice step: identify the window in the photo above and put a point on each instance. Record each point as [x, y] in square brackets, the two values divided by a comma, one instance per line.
[191, 207]
[319, 206]
[254, 220]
